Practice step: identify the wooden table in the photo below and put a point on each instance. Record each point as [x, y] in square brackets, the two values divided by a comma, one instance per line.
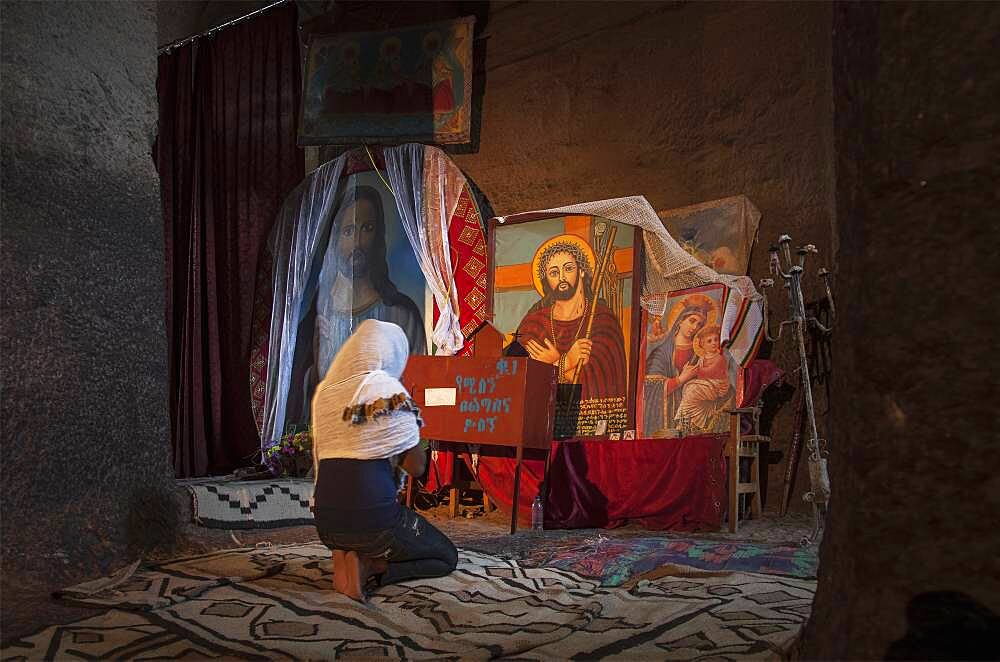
[487, 402]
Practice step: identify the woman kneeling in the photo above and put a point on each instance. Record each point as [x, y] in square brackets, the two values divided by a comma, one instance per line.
[364, 425]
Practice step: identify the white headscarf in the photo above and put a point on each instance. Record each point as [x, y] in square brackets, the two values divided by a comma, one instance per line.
[367, 368]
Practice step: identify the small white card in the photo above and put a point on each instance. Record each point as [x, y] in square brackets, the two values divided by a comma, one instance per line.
[439, 397]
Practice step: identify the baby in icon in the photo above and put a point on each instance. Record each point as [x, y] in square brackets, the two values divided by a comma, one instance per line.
[710, 388]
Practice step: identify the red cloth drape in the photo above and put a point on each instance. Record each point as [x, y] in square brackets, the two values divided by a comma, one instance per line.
[228, 173]
[468, 254]
[676, 484]
[754, 380]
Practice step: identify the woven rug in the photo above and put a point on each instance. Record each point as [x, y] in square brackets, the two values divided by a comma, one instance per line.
[252, 504]
[614, 561]
[276, 603]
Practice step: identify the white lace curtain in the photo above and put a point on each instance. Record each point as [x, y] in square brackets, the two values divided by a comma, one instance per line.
[426, 186]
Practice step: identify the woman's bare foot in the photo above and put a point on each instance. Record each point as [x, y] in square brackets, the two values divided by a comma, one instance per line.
[341, 575]
[351, 572]
[350, 583]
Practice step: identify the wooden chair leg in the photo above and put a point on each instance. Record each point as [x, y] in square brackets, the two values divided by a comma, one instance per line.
[755, 509]
[453, 493]
[487, 504]
[409, 491]
[734, 498]
[519, 455]
[734, 472]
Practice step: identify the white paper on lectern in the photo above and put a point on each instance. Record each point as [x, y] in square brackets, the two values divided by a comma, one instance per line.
[439, 397]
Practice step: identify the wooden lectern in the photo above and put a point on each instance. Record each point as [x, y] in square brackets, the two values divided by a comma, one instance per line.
[486, 400]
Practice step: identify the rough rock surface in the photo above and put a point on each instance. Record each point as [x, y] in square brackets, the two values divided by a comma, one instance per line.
[86, 472]
[914, 464]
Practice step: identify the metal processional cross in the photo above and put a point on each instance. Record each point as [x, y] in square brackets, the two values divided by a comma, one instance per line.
[819, 478]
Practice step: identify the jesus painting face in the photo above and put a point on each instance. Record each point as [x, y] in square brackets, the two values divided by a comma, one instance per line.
[357, 237]
[562, 276]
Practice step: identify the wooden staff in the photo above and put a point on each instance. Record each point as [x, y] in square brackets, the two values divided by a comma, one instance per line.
[598, 277]
[794, 450]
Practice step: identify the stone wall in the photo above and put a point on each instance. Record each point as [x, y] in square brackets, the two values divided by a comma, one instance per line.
[85, 465]
[180, 19]
[914, 469]
[680, 102]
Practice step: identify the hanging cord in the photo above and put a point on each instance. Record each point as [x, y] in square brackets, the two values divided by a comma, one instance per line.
[379, 173]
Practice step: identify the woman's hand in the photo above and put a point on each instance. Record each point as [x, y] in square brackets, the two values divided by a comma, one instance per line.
[414, 461]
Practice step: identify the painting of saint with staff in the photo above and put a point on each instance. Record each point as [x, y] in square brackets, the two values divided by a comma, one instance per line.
[564, 287]
[568, 327]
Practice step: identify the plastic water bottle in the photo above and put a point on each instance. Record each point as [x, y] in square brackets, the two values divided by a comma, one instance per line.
[537, 515]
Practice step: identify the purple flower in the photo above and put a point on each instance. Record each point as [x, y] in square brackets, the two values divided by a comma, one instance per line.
[273, 466]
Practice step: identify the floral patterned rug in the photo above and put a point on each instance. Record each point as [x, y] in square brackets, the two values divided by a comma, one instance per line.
[617, 560]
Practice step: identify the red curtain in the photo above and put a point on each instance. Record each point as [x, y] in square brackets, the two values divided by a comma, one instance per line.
[227, 157]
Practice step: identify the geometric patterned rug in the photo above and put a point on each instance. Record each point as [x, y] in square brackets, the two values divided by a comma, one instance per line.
[277, 602]
[616, 560]
[252, 504]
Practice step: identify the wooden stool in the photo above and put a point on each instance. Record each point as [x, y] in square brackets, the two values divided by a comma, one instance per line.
[740, 446]
[455, 494]
[461, 482]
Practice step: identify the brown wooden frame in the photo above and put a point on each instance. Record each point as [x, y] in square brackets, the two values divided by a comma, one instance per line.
[637, 275]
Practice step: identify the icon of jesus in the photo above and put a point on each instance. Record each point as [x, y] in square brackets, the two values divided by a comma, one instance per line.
[555, 329]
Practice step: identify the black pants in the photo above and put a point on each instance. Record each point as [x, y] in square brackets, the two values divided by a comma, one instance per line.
[413, 547]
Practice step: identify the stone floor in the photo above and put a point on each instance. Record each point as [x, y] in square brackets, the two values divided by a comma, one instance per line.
[28, 605]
